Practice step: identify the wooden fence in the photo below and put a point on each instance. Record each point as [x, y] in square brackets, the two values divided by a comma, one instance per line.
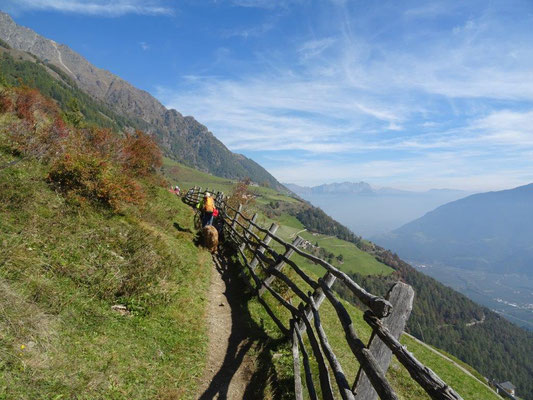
[386, 316]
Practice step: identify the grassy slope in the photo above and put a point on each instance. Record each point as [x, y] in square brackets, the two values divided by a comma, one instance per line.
[354, 260]
[61, 270]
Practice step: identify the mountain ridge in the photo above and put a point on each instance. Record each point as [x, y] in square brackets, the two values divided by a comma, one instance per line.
[470, 232]
[360, 188]
[181, 137]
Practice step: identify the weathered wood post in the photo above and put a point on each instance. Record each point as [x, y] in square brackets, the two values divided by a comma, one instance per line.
[261, 249]
[197, 199]
[298, 389]
[318, 297]
[279, 266]
[218, 199]
[307, 367]
[246, 235]
[234, 223]
[236, 216]
[401, 297]
[248, 231]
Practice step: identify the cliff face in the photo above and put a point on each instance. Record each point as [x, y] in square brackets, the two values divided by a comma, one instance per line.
[182, 138]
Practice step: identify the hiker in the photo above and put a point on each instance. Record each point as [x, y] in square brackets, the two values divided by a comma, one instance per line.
[207, 207]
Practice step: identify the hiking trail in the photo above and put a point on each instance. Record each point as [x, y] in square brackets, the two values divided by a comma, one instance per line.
[229, 368]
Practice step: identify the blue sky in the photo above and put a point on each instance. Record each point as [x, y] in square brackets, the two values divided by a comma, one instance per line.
[410, 94]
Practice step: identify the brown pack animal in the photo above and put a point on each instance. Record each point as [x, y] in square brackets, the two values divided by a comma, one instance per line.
[210, 237]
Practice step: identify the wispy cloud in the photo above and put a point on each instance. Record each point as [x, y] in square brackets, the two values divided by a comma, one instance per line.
[145, 46]
[266, 4]
[314, 48]
[109, 8]
[439, 95]
[509, 128]
[246, 33]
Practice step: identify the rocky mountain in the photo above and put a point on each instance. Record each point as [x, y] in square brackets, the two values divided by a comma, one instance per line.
[490, 231]
[181, 137]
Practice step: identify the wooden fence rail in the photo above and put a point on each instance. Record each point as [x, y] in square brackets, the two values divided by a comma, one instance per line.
[386, 316]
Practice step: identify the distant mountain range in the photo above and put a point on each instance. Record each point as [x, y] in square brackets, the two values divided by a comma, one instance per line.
[481, 245]
[370, 211]
[332, 188]
[362, 188]
[182, 138]
[487, 231]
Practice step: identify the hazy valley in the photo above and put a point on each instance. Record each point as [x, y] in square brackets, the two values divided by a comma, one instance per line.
[369, 211]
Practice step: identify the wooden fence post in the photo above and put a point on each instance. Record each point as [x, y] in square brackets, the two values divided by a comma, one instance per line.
[219, 198]
[248, 231]
[296, 242]
[318, 297]
[272, 230]
[197, 199]
[234, 223]
[236, 216]
[243, 244]
[298, 389]
[401, 297]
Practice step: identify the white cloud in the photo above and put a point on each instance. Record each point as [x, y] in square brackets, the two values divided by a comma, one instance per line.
[314, 48]
[145, 46]
[109, 8]
[266, 4]
[506, 127]
[439, 106]
[246, 33]
[283, 113]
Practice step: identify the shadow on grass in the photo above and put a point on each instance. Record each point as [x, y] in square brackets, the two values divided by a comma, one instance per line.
[181, 229]
[245, 334]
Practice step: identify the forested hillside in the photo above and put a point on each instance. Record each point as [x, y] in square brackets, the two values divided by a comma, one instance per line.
[18, 67]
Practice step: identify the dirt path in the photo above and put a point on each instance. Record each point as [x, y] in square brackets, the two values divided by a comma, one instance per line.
[229, 367]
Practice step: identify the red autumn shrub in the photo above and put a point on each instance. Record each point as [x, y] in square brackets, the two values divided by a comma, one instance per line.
[87, 164]
[104, 141]
[88, 176]
[51, 139]
[141, 156]
[30, 100]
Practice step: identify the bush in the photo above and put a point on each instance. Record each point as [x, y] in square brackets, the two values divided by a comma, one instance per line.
[87, 164]
[141, 155]
[30, 101]
[85, 176]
